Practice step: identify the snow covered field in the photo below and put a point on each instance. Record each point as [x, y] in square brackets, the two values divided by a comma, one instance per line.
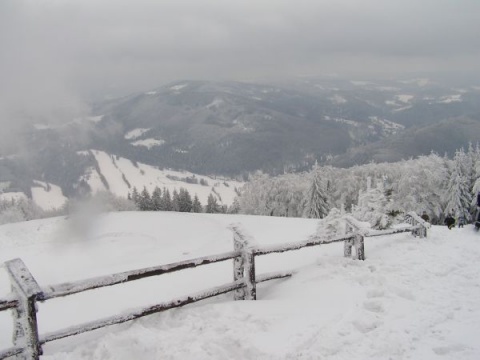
[410, 299]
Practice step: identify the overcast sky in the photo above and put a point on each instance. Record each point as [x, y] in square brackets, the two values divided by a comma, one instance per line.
[55, 54]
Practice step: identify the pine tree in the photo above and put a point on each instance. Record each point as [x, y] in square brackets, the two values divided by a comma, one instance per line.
[167, 204]
[317, 199]
[135, 196]
[212, 205]
[185, 203]
[145, 201]
[157, 199]
[235, 207]
[196, 205]
[175, 201]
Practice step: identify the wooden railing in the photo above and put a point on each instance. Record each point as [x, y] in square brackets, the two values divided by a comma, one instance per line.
[26, 292]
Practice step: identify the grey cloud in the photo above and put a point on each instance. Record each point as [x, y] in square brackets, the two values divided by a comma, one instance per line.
[56, 54]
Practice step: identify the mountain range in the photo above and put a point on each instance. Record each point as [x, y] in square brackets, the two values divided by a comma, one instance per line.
[232, 129]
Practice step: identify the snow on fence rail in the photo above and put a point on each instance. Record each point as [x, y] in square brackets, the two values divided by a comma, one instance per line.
[26, 292]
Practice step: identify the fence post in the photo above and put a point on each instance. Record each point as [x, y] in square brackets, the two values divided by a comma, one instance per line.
[423, 232]
[347, 247]
[359, 246]
[244, 265]
[238, 265]
[249, 260]
[26, 289]
[415, 232]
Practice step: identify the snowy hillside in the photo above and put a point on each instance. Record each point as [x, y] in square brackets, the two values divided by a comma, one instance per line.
[119, 175]
[410, 299]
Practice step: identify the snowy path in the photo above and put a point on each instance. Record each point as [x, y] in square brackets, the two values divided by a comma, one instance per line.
[410, 299]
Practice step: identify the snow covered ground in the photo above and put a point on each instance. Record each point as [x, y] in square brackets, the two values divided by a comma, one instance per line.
[48, 196]
[410, 299]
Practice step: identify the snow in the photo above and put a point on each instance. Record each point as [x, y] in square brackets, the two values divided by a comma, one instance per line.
[242, 126]
[216, 103]
[361, 83]
[148, 143]
[9, 196]
[42, 126]
[178, 87]
[181, 151]
[135, 133]
[4, 185]
[410, 299]
[48, 196]
[117, 169]
[389, 127]
[340, 120]
[95, 119]
[387, 88]
[403, 108]
[337, 99]
[450, 99]
[421, 82]
[404, 98]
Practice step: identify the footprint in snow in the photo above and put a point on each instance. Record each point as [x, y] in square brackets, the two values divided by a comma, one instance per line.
[375, 293]
[366, 326]
[404, 293]
[373, 306]
[445, 350]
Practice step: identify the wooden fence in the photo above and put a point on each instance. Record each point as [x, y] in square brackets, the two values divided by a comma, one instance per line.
[26, 292]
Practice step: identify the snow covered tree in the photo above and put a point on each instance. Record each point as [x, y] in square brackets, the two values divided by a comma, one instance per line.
[167, 204]
[144, 200]
[196, 205]
[21, 209]
[372, 207]
[135, 195]
[254, 194]
[235, 207]
[185, 203]
[156, 199]
[212, 205]
[475, 155]
[175, 201]
[459, 196]
[419, 185]
[317, 199]
[332, 225]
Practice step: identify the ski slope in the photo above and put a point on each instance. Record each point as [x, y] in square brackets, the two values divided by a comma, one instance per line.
[410, 299]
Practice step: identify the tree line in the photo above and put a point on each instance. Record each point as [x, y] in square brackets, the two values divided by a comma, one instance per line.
[24, 209]
[378, 193]
[181, 201]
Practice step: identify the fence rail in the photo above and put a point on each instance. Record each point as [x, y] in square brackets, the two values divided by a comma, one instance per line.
[140, 312]
[6, 304]
[71, 288]
[26, 292]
